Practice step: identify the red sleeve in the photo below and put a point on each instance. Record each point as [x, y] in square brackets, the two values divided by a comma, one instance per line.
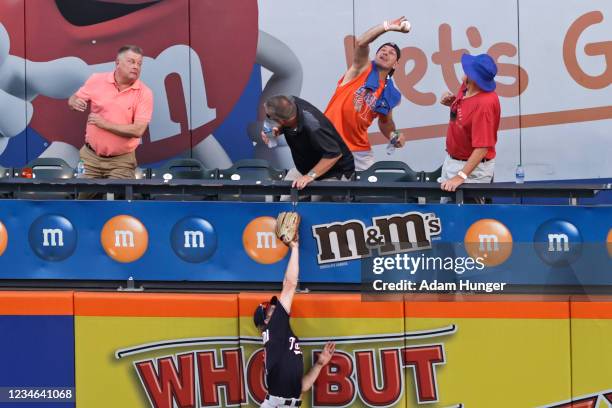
[484, 127]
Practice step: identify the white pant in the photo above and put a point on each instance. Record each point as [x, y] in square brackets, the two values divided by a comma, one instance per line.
[274, 402]
[363, 160]
[483, 173]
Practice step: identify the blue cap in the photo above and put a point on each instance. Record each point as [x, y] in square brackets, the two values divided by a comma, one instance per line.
[259, 316]
[480, 69]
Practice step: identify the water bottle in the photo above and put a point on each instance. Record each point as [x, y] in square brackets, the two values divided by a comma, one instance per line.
[80, 170]
[520, 174]
[268, 127]
[393, 141]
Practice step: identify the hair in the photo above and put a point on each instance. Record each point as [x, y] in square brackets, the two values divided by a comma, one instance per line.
[281, 107]
[134, 48]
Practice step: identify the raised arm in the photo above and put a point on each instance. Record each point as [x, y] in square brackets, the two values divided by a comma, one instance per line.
[311, 376]
[290, 281]
[362, 45]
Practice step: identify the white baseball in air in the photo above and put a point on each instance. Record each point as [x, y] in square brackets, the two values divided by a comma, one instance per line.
[405, 26]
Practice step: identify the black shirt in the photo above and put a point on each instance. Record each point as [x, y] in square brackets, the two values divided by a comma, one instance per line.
[284, 359]
[314, 138]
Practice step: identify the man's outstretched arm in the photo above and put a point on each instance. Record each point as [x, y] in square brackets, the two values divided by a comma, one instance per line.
[290, 281]
[362, 46]
[311, 376]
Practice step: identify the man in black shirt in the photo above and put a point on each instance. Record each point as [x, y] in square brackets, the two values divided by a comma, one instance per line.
[317, 148]
[283, 357]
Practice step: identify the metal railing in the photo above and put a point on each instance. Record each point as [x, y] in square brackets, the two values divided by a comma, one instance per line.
[347, 191]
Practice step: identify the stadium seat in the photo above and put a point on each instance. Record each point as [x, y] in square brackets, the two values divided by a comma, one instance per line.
[47, 168]
[43, 169]
[388, 172]
[183, 169]
[257, 170]
[432, 176]
[5, 172]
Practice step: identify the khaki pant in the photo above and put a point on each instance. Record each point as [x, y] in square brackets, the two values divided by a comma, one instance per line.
[96, 167]
[116, 167]
[483, 173]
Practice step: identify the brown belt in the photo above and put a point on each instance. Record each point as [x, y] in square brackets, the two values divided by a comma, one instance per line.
[482, 161]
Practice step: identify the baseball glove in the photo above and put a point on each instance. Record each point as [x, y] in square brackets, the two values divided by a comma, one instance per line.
[287, 226]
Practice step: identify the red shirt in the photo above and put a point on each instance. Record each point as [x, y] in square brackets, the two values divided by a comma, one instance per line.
[475, 125]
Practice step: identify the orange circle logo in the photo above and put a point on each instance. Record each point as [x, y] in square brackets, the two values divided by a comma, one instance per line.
[608, 242]
[124, 238]
[260, 242]
[490, 240]
[3, 238]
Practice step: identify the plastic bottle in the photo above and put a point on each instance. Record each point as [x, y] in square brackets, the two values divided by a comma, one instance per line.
[268, 125]
[392, 142]
[520, 174]
[80, 170]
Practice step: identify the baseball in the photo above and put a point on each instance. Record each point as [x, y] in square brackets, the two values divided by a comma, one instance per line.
[405, 26]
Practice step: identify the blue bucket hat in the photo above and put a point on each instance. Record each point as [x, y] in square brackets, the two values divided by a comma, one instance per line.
[480, 69]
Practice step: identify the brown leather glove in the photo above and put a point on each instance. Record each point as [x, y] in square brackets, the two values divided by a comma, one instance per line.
[288, 226]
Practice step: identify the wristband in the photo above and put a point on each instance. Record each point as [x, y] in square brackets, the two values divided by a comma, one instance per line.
[462, 175]
[386, 25]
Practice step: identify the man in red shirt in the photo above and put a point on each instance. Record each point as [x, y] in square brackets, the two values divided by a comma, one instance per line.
[474, 121]
[121, 107]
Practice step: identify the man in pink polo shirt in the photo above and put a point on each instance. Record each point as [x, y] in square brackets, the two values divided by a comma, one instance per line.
[121, 109]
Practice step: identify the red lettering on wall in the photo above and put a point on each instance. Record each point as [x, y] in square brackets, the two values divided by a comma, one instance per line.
[212, 377]
[388, 389]
[256, 376]
[422, 359]
[169, 385]
[583, 403]
[334, 387]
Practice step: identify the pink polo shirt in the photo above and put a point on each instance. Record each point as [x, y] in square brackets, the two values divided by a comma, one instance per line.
[134, 104]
